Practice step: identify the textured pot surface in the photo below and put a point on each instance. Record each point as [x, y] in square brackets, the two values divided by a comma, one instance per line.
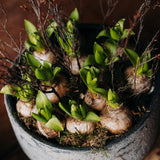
[132, 146]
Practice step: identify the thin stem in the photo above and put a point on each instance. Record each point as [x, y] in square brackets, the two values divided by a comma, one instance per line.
[6, 31]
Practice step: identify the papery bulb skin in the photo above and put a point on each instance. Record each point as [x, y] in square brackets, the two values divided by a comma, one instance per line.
[77, 126]
[95, 101]
[117, 120]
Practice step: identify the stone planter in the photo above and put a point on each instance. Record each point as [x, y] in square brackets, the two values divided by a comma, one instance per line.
[133, 145]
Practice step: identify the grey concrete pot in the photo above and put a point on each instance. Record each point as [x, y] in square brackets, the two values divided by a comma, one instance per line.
[134, 145]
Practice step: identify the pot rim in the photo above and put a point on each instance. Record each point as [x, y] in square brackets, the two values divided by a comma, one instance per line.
[10, 103]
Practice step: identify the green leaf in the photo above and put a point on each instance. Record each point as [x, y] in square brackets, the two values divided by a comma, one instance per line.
[67, 43]
[97, 48]
[83, 110]
[101, 91]
[7, 90]
[148, 53]
[32, 61]
[103, 33]
[94, 71]
[91, 116]
[41, 75]
[139, 70]
[72, 102]
[64, 45]
[106, 61]
[51, 28]
[132, 55]
[56, 70]
[112, 95]
[45, 73]
[45, 113]
[34, 36]
[89, 77]
[115, 35]
[31, 30]
[142, 69]
[29, 46]
[120, 24]
[148, 73]
[99, 58]
[111, 46]
[65, 108]
[113, 104]
[25, 92]
[93, 83]
[74, 16]
[145, 66]
[75, 111]
[26, 77]
[125, 33]
[47, 65]
[69, 40]
[38, 117]
[54, 124]
[42, 102]
[109, 95]
[70, 27]
[90, 61]
[113, 100]
[47, 69]
[83, 73]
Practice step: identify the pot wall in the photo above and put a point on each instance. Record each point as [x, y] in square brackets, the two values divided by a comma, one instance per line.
[133, 146]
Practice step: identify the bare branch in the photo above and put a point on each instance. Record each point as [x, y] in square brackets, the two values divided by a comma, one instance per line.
[138, 17]
[47, 15]
[3, 24]
[111, 4]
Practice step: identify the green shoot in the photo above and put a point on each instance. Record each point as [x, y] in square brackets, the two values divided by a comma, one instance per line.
[116, 33]
[68, 39]
[79, 111]
[90, 77]
[7, 89]
[25, 92]
[54, 124]
[106, 53]
[74, 16]
[35, 38]
[136, 62]
[45, 115]
[45, 73]
[51, 28]
[112, 99]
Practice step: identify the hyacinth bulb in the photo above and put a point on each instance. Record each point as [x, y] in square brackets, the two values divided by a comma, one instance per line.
[77, 126]
[116, 120]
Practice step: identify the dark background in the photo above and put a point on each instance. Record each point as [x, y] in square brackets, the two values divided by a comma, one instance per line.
[90, 12]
